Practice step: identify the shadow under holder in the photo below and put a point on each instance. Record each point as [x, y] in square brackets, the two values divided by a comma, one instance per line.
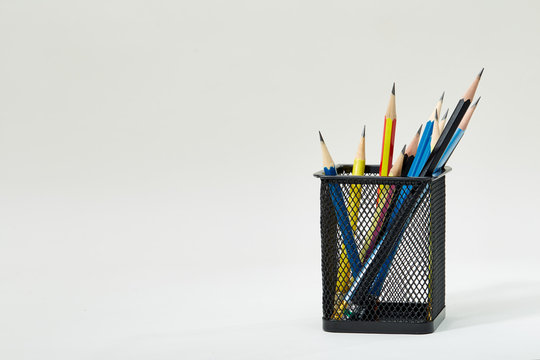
[399, 285]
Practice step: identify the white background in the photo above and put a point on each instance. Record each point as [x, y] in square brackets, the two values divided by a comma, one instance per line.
[156, 160]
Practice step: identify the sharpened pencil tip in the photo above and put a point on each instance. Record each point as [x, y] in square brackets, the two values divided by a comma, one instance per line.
[364, 131]
[477, 100]
[403, 150]
[320, 137]
[445, 114]
[481, 72]
[436, 115]
[420, 129]
[394, 89]
[442, 96]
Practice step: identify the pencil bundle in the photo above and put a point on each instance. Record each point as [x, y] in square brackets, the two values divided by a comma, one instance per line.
[367, 250]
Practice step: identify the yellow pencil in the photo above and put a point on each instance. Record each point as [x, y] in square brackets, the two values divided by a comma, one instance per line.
[359, 165]
[358, 169]
[388, 135]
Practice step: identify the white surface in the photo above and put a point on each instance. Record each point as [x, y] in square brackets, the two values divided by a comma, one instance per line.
[156, 198]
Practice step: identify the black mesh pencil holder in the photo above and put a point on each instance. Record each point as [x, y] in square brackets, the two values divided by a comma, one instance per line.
[383, 252]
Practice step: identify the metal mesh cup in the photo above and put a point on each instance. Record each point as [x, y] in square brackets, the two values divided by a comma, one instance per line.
[383, 252]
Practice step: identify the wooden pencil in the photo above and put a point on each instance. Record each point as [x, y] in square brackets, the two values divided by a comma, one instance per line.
[435, 134]
[389, 132]
[438, 107]
[396, 169]
[353, 206]
[436, 115]
[468, 115]
[359, 163]
[442, 122]
[341, 211]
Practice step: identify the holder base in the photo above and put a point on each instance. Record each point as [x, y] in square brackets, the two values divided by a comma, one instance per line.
[390, 326]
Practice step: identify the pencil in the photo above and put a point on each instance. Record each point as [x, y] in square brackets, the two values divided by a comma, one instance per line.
[456, 138]
[442, 122]
[340, 209]
[359, 164]
[389, 132]
[423, 150]
[438, 107]
[410, 152]
[435, 134]
[450, 128]
[358, 169]
[436, 114]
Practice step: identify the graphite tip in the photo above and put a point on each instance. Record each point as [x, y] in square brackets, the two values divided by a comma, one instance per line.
[480, 74]
[394, 89]
[442, 97]
[364, 131]
[403, 150]
[436, 115]
[445, 114]
[420, 129]
[477, 100]
[320, 137]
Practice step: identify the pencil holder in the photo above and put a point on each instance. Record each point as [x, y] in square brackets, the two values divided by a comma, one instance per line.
[383, 252]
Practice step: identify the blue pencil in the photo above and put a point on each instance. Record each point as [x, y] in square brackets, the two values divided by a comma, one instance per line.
[424, 148]
[341, 211]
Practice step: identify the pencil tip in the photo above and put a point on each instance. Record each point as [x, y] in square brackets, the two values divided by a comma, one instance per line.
[320, 137]
[477, 100]
[480, 75]
[364, 131]
[436, 115]
[403, 150]
[394, 89]
[445, 114]
[420, 129]
[442, 96]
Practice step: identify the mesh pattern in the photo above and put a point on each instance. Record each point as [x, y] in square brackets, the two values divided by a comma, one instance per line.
[382, 248]
[438, 195]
